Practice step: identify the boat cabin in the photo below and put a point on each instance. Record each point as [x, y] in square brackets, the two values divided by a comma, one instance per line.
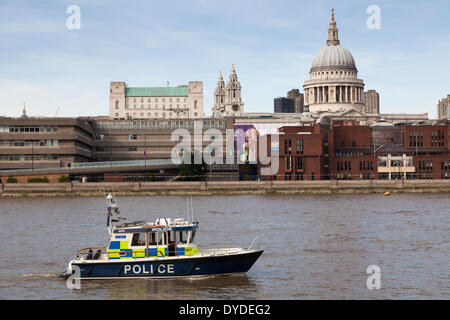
[142, 239]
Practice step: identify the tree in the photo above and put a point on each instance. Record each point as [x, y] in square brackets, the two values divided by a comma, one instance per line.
[191, 171]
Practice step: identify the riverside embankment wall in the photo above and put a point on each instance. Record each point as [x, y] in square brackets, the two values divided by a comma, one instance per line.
[223, 187]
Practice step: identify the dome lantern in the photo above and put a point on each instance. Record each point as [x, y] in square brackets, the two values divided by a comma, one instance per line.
[333, 37]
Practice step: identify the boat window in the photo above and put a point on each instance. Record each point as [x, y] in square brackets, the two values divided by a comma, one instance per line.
[182, 237]
[138, 239]
[155, 238]
[171, 237]
[192, 236]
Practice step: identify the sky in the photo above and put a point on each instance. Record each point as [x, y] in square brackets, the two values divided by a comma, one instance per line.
[60, 71]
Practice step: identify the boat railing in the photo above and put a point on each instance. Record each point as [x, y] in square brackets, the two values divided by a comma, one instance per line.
[96, 253]
[101, 253]
[92, 253]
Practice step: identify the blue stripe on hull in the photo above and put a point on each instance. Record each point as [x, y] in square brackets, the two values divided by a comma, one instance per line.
[186, 267]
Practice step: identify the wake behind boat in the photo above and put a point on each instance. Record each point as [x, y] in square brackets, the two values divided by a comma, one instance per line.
[160, 249]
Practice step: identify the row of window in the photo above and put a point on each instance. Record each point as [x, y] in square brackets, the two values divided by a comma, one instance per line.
[156, 106]
[344, 165]
[159, 238]
[29, 143]
[27, 157]
[28, 129]
[155, 115]
[157, 125]
[348, 154]
[295, 176]
[288, 146]
[154, 99]
[332, 72]
[365, 165]
[437, 134]
[438, 143]
[298, 163]
[425, 165]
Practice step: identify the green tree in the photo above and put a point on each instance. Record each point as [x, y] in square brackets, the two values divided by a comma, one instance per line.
[11, 180]
[191, 171]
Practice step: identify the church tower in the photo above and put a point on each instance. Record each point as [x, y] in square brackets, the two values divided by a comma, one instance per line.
[219, 98]
[231, 105]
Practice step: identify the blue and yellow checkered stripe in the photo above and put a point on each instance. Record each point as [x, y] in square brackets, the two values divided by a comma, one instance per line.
[120, 250]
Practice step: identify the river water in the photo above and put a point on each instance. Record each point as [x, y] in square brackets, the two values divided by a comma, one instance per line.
[315, 247]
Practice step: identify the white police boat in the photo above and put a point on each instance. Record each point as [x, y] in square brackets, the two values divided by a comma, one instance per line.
[161, 249]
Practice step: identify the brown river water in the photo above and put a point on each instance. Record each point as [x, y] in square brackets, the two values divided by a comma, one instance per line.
[315, 247]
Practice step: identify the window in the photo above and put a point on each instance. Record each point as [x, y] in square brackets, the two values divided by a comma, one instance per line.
[138, 239]
[132, 137]
[132, 148]
[287, 145]
[155, 238]
[182, 237]
[299, 163]
[288, 163]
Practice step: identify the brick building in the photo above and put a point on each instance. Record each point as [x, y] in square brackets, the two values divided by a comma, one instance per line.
[351, 152]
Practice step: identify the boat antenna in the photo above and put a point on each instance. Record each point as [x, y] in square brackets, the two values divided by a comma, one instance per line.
[187, 208]
[192, 210]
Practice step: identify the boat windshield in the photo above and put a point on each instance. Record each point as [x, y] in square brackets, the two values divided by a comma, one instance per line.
[155, 238]
[138, 239]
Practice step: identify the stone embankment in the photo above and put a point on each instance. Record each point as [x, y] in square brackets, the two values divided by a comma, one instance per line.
[222, 188]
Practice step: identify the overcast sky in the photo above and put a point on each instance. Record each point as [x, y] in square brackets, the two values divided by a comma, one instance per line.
[272, 43]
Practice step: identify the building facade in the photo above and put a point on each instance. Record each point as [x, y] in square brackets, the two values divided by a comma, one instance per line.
[283, 105]
[32, 143]
[344, 151]
[443, 108]
[298, 98]
[372, 102]
[125, 140]
[227, 97]
[181, 102]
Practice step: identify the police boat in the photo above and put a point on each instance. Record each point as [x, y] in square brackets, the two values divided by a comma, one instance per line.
[161, 249]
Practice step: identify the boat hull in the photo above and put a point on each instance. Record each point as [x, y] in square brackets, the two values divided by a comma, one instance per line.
[167, 267]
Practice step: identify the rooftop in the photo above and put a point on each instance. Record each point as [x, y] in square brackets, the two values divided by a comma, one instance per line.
[181, 91]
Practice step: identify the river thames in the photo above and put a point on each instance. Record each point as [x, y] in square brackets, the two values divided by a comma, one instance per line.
[315, 247]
